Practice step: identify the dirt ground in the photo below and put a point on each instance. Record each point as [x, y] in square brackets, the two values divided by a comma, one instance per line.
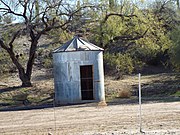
[88, 119]
[117, 118]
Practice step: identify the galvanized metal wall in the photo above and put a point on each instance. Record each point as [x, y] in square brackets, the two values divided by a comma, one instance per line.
[67, 75]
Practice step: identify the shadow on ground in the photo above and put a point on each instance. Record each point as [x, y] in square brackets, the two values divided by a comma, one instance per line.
[145, 100]
[116, 101]
[9, 89]
[25, 98]
[164, 89]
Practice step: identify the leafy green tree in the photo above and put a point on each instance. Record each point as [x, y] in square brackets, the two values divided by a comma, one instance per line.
[112, 4]
[175, 49]
[142, 33]
[35, 29]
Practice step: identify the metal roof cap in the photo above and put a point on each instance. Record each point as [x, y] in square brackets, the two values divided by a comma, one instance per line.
[77, 44]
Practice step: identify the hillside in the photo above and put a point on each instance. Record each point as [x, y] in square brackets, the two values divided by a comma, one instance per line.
[156, 80]
[163, 87]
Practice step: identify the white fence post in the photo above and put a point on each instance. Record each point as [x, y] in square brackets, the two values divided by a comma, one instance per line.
[140, 120]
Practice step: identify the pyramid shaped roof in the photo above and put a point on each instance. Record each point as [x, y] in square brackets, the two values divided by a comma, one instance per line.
[77, 44]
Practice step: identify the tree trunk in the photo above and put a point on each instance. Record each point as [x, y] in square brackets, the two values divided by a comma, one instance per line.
[32, 54]
[25, 78]
[26, 82]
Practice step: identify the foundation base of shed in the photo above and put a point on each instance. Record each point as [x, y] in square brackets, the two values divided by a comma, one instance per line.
[99, 103]
[102, 104]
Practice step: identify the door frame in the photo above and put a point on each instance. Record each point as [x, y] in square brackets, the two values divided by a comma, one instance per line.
[93, 92]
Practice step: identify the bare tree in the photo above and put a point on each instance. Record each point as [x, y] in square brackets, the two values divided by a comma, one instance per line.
[30, 12]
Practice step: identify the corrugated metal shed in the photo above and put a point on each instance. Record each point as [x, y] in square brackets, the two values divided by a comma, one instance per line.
[78, 72]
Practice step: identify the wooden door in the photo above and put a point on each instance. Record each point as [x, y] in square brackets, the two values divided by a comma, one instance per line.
[86, 74]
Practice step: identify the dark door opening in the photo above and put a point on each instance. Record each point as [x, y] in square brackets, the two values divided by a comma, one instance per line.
[86, 74]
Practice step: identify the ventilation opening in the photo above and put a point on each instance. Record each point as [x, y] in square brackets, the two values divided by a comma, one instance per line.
[86, 73]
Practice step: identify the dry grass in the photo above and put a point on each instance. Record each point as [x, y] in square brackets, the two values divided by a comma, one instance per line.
[43, 90]
[126, 93]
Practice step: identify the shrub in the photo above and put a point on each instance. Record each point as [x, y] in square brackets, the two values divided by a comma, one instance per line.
[110, 93]
[121, 63]
[44, 57]
[138, 65]
[177, 94]
[122, 91]
[175, 57]
[47, 62]
[175, 49]
[126, 93]
[6, 64]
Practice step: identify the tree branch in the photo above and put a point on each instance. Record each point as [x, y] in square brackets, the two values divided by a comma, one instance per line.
[130, 37]
[2, 44]
[13, 38]
[31, 10]
[8, 9]
[116, 14]
[12, 56]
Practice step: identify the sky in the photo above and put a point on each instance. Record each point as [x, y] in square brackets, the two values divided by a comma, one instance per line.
[72, 2]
